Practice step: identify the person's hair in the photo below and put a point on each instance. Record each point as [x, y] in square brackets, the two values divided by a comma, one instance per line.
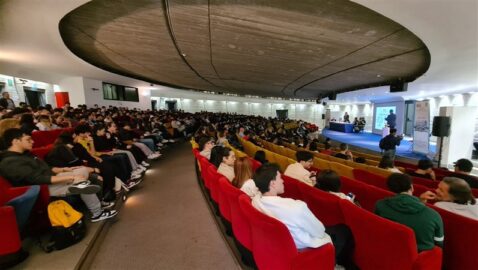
[386, 162]
[327, 146]
[393, 130]
[225, 152]
[64, 138]
[260, 156]
[242, 171]
[98, 128]
[313, 146]
[399, 182]
[464, 165]
[460, 190]
[264, 175]
[303, 156]
[8, 123]
[202, 142]
[343, 146]
[82, 129]
[360, 160]
[216, 155]
[328, 180]
[425, 164]
[11, 134]
[26, 118]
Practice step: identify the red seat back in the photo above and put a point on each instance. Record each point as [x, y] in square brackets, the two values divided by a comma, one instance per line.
[273, 246]
[461, 236]
[240, 227]
[291, 189]
[370, 178]
[255, 164]
[325, 206]
[213, 178]
[425, 182]
[366, 195]
[224, 207]
[44, 138]
[379, 243]
[41, 152]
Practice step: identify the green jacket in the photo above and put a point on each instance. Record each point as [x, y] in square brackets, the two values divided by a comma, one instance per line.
[24, 169]
[409, 211]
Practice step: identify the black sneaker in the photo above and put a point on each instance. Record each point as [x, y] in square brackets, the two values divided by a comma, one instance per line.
[107, 205]
[106, 214]
[84, 187]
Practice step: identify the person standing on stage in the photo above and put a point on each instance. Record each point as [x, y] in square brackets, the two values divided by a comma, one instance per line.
[346, 117]
[390, 143]
[391, 119]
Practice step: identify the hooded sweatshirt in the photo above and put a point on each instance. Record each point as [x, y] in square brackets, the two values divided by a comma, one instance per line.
[409, 211]
[24, 169]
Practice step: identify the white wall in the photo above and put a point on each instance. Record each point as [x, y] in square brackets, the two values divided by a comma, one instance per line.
[14, 86]
[192, 101]
[96, 96]
[74, 87]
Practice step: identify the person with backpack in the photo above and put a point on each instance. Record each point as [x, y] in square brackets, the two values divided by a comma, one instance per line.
[389, 143]
[21, 168]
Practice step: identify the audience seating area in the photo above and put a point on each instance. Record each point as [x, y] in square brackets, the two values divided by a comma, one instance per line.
[380, 243]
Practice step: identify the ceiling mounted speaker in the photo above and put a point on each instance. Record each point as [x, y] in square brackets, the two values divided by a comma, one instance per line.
[332, 96]
[398, 87]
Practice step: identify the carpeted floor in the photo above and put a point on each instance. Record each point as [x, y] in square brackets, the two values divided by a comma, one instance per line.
[166, 223]
[370, 141]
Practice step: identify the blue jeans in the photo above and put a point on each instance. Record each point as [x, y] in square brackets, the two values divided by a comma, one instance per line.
[23, 205]
[149, 143]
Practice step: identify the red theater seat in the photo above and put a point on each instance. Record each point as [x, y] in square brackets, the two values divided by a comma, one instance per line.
[425, 182]
[461, 236]
[44, 138]
[383, 244]
[274, 248]
[41, 152]
[366, 195]
[291, 190]
[370, 178]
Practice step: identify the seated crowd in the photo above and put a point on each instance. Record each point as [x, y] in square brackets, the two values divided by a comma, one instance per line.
[263, 186]
[99, 152]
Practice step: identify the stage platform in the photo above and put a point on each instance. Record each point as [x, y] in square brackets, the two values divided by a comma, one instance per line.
[370, 141]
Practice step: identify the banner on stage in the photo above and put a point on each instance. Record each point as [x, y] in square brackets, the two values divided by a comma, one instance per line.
[421, 128]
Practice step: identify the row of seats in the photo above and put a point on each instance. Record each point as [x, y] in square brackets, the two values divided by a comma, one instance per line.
[377, 189]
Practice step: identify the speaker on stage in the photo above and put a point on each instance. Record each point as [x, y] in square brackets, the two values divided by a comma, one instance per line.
[441, 126]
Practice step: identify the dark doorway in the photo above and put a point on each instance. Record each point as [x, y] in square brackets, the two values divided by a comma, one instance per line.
[171, 105]
[282, 114]
[34, 97]
[154, 103]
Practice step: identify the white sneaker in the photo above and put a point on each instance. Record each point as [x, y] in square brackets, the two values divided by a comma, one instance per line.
[153, 156]
[106, 214]
[136, 176]
[171, 141]
[141, 169]
[164, 141]
[84, 187]
[159, 144]
[145, 164]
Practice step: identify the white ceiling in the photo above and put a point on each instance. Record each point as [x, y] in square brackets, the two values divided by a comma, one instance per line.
[31, 46]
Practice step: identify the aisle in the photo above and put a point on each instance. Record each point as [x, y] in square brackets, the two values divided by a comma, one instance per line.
[166, 223]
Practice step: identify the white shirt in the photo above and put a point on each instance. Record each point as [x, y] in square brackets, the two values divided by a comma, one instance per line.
[306, 230]
[227, 171]
[206, 153]
[466, 210]
[249, 187]
[298, 172]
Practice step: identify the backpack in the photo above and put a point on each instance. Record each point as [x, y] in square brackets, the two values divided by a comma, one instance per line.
[68, 225]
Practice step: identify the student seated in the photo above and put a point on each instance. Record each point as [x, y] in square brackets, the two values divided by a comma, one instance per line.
[20, 168]
[306, 230]
[463, 168]
[424, 170]
[226, 167]
[299, 170]
[344, 152]
[329, 181]
[243, 177]
[205, 146]
[386, 163]
[454, 195]
[261, 157]
[327, 150]
[406, 209]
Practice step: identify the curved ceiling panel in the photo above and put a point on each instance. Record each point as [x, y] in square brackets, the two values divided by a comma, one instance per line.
[267, 48]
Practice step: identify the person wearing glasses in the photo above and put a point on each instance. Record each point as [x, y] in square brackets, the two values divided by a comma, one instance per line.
[205, 146]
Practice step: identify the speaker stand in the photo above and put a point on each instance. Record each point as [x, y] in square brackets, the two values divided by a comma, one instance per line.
[439, 152]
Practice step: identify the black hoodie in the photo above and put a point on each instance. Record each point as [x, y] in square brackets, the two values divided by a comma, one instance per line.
[24, 169]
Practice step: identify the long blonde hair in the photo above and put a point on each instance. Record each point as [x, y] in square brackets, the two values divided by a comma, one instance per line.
[242, 171]
[8, 124]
